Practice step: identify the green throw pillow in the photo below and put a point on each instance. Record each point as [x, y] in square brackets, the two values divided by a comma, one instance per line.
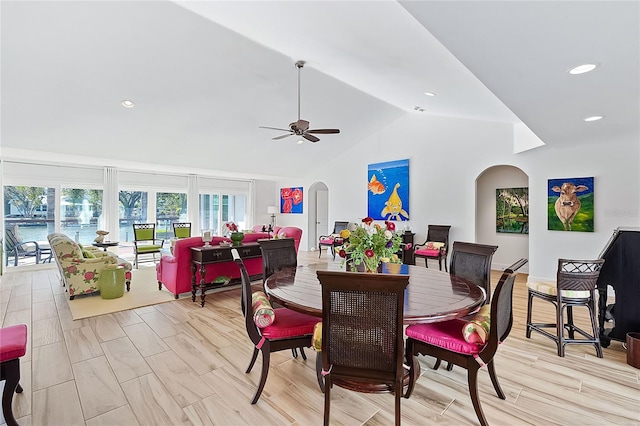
[87, 254]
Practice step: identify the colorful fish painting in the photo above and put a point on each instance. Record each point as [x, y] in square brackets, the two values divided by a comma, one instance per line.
[388, 175]
[375, 186]
[393, 207]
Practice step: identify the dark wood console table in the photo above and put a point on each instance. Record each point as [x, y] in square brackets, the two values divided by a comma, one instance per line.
[203, 256]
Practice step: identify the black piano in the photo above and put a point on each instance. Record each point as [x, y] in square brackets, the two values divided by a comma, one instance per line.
[621, 270]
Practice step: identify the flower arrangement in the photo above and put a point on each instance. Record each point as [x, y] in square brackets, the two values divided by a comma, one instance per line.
[231, 227]
[370, 244]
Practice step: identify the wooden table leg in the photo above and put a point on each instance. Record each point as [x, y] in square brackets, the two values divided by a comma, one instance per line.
[194, 268]
[203, 286]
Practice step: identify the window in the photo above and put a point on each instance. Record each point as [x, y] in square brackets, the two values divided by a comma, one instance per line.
[29, 213]
[80, 210]
[170, 207]
[214, 214]
[133, 209]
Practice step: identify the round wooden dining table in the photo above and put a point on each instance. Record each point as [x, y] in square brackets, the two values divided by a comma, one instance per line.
[431, 295]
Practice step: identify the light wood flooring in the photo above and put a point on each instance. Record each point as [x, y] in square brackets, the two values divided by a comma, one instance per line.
[176, 363]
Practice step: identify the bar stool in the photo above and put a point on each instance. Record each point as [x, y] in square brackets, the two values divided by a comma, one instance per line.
[13, 345]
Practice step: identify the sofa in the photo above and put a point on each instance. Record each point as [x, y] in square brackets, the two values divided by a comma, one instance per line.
[174, 271]
[282, 232]
[80, 267]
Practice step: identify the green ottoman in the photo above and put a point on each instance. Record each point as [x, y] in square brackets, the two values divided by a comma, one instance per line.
[112, 282]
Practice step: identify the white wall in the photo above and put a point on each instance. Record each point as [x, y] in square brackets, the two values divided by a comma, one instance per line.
[446, 155]
[511, 247]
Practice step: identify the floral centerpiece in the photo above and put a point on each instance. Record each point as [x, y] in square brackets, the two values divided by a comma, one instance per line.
[234, 234]
[370, 244]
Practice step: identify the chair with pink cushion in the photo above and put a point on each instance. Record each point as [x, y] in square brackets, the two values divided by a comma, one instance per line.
[333, 240]
[469, 344]
[271, 330]
[435, 247]
[13, 345]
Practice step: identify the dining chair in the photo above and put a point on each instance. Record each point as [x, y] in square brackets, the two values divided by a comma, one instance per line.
[181, 229]
[436, 246]
[469, 344]
[145, 241]
[332, 240]
[13, 346]
[575, 286]
[362, 341]
[472, 262]
[270, 330]
[278, 254]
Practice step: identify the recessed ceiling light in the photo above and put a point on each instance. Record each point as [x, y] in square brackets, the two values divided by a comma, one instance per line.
[581, 69]
[594, 118]
[429, 93]
[127, 104]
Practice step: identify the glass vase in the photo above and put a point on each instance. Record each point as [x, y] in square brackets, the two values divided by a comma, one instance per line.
[371, 263]
[237, 238]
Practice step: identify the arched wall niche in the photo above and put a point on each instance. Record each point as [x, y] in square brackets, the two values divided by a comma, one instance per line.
[511, 247]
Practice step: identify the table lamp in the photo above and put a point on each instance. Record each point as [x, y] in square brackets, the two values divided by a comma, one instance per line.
[272, 210]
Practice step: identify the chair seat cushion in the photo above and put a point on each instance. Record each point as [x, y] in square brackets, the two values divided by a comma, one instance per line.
[150, 248]
[552, 290]
[445, 334]
[289, 323]
[427, 252]
[327, 241]
[13, 342]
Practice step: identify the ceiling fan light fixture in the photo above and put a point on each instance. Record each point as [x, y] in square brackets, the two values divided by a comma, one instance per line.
[582, 69]
[127, 103]
[429, 94]
[300, 142]
[593, 118]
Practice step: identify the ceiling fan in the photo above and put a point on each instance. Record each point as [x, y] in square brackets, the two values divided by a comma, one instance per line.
[301, 127]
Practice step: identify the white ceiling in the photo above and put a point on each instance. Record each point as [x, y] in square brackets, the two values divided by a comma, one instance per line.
[204, 75]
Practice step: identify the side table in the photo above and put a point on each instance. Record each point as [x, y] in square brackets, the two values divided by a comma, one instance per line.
[106, 244]
[112, 282]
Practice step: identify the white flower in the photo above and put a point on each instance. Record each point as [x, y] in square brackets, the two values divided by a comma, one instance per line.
[388, 234]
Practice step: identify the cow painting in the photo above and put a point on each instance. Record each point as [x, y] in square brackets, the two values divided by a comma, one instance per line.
[567, 205]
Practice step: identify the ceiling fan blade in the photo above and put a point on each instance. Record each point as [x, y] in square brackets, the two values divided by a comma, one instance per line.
[323, 131]
[310, 137]
[302, 125]
[283, 136]
[273, 128]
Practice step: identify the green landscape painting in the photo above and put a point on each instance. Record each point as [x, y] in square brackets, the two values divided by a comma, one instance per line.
[512, 210]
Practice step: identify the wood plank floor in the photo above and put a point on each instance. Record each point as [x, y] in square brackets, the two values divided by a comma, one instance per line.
[177, 363]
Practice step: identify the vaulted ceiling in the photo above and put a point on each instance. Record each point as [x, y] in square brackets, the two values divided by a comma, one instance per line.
[204, 75]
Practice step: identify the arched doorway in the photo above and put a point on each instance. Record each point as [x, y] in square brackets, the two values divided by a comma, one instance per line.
[511, 245]
[318, 218]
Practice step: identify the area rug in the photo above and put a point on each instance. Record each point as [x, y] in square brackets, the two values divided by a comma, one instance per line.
[144, 292]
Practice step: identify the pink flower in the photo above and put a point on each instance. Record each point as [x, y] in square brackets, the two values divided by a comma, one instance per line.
[297, 196]
[367, 221]
[342, 253]
[390, 226]
[72, 269]
[288, 205]
[88, 276]
[408, 246]
[369, 253]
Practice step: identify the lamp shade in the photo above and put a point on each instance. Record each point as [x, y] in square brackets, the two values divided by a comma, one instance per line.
[272, 210]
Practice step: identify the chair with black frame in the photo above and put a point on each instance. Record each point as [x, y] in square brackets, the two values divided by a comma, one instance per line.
[435, 247]
[575, 286]
[145, 241]
[14, 246]
[333, 240]
[278, 254]
[181, 229]
[470, 344]
[362, 340]
[270, 330]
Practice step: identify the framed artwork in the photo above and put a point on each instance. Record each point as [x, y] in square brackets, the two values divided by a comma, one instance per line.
[291, 200]
[570, 204]
[388, 190]
[512, 210]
